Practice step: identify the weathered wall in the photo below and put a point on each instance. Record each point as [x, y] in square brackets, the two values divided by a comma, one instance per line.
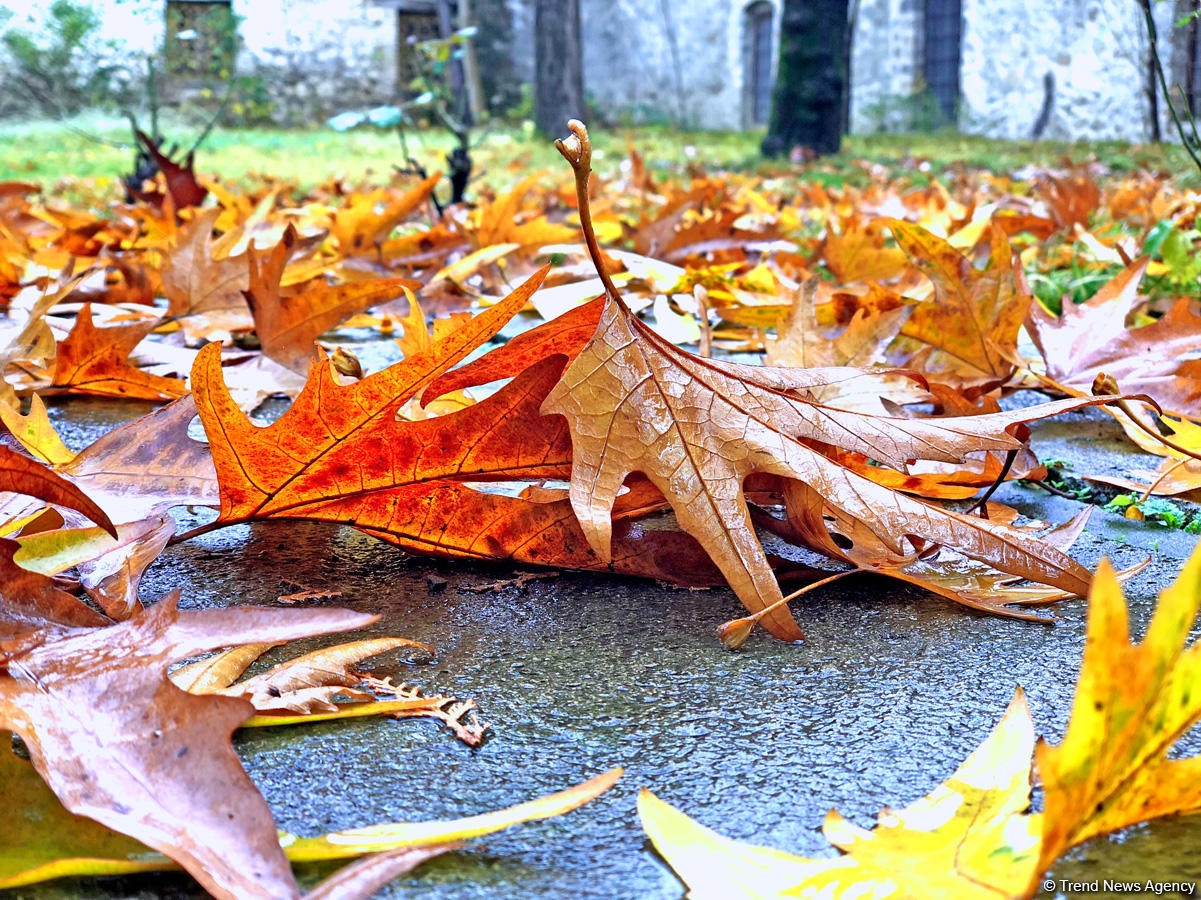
[685, 63]
[1094, 49]
[318, 57]
[310, 58]
[632, 73]
[885, 59]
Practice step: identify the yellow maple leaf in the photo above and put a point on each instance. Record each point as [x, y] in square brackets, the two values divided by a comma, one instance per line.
[973, 836]
[968, 838]
[1133, 702]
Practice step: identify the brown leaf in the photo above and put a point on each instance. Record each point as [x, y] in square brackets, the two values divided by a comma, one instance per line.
[288, 325]
[196, 282]
[146, 466]
[1089, 338]
[117, 742]
[112, 580]
[22, 475]
[30, 605]
[697, 428]
[967, 333]
[182, 185]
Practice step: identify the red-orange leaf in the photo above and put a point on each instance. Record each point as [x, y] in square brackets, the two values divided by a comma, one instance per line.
[95, 361]
[288, 325]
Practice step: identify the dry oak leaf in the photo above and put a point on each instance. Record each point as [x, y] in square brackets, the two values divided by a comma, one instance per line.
[987, 580]
[1133, 702]
[118, 743]
[697, 428]
[288, 325]
[338, 438]
[146, 466]
[96, 361]
[1091, 337]
[204, 287]
[969, 838]
[409, 483]
[967, 333]
[362, 225]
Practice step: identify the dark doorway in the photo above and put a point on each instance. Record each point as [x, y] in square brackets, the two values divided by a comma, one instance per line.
[943, 35]
[759, 56]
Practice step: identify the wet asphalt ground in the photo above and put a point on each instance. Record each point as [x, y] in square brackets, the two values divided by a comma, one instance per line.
[578, 673]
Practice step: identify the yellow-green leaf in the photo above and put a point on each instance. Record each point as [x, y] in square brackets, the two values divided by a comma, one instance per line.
[968, 838]
[374, 838]
[1133, 702]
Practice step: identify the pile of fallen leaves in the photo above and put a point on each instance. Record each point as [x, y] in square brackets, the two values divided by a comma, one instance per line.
[894, 320]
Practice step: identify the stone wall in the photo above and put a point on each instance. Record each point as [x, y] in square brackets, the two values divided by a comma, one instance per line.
[306, 59]
[632, 72]
[315, 58]
[686, 63]
[885, 61]
[1095, 51]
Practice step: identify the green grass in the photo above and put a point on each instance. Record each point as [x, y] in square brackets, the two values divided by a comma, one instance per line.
[65, 162]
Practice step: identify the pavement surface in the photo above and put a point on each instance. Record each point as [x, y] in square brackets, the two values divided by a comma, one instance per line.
[576, 674]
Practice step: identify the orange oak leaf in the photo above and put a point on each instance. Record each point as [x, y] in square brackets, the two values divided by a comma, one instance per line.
[288, 325]
[361, 226]
[95, 361]
[966, 334]
[333, 437]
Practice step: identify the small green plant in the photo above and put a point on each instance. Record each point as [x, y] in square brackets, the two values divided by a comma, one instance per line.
[1156, 509]
[440, 92]
[904, 113]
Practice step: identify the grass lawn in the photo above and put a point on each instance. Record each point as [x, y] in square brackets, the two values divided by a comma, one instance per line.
[66, 161]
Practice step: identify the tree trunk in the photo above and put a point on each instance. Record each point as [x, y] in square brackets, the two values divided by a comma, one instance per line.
[1151, 87]
[811, 78]
[558, 69]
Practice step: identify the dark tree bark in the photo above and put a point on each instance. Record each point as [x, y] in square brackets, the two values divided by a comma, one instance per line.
[811, 78]
[1151, 86]
[558, 69]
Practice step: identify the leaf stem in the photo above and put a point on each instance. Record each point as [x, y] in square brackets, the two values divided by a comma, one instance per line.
[733, 634]
[577, 150]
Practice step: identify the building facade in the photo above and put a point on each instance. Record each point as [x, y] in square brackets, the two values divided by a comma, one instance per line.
[1074, 69]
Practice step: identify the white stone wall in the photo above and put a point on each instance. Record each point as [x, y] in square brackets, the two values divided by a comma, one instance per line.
[1094, 49]
[629, 70]
[313, 57]
[318, 57]
[885, 63]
